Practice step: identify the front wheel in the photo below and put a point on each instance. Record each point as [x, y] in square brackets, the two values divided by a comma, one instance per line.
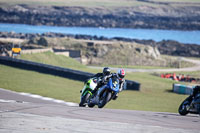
[90, 103]
[183, 110]
[84, 100]
[198, 108]
[104, 98]
[198, 105]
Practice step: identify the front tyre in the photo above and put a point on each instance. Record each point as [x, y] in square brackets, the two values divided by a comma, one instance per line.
[198, 105]
[183, 107]
[90, 103]
[104, 98]
[84, 100]
[198, 108]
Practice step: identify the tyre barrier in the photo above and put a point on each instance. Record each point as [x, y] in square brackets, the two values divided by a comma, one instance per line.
[183, 89]
[57, 71]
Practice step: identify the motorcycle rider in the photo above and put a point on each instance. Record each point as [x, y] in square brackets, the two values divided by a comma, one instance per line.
[120, 75]
[104, 76]
[196, 90]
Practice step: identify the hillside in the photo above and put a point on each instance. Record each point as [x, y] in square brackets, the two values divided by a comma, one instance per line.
[103, 51]
[96, 52]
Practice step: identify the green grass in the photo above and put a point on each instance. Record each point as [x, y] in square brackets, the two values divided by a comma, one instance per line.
[158, 92]
[139, 67]
[150, 98]
[38, 83]
[52, 59]
[57, 60]
[155, 94]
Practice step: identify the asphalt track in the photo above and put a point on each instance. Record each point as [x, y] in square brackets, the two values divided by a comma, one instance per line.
[20, 113]
[25, 113]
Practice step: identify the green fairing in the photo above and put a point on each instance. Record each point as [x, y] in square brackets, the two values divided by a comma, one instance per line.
[87, 88]
[89, 81]
[90, 92]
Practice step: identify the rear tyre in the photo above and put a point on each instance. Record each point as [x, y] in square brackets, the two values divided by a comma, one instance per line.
[104, 98]
[84, 100]
[183, 107]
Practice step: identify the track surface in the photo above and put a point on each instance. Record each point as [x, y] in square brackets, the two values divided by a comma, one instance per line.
[20, 113]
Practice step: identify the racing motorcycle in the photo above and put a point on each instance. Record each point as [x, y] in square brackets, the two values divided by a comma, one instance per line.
[105, 93]
[190, 106]
[86, 92]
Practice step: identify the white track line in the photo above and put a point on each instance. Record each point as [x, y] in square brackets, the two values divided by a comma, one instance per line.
[49, 99]
[7, 101]
[37, 97]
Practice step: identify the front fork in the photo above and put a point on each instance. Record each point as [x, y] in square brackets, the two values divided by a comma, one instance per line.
[102, 89]
[85, 91]
[186, 105]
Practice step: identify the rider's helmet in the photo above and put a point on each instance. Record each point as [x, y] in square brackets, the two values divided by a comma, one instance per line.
[196, 90]
[106, 71]
[121, 74]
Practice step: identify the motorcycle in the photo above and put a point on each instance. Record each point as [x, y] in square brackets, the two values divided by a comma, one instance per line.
[190, 106]
[86, 92]
[105, 93]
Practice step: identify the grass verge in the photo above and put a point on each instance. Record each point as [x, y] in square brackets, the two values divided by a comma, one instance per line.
[37, 83]
[155, 94]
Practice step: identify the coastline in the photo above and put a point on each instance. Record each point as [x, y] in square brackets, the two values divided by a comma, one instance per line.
[165, 47]
[143, 17]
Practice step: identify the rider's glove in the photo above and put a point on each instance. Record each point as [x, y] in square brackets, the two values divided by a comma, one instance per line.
[104, 80]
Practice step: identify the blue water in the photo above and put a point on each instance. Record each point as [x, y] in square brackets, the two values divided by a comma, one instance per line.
[191, 37]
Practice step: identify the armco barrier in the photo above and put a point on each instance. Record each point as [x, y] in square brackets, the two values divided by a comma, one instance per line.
[132, 85]
[58, 71]
[182, 89]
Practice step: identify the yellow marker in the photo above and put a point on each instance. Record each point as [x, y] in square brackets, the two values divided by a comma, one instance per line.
[16, 50]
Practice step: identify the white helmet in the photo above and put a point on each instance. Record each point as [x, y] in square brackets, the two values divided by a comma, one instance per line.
[121, 73]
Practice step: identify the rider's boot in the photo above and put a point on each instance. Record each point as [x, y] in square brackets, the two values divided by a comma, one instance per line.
[115, 97]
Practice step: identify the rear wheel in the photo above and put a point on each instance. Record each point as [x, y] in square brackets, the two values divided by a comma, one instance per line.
[84, 100]
[104, 98]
